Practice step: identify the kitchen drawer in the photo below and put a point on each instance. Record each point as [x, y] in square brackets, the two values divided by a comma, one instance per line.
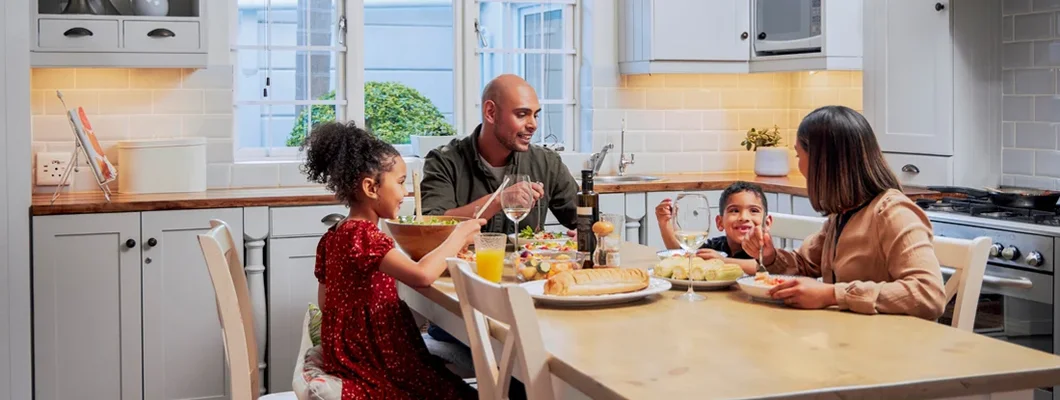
[161, 37]
[77, 35]
[304, 221]
[921, 170]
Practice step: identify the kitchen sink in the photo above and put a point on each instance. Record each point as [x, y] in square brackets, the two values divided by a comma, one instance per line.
[625, 179]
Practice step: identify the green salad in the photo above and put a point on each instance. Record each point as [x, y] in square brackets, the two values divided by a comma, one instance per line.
[528, 233]
[411, 220]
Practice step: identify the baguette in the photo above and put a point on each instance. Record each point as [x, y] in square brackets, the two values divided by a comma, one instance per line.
[592, 282]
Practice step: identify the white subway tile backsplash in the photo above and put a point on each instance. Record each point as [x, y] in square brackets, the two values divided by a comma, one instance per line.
[1016, 161]
[1017, 55]
[102, 78]
[1047, 53]
[154, 126]
[1015, 6]
[1047, 163]
[1035, 81]
[51, 128]
[1046, 5]
[218, 176]
[1008, 82]
[215, 77]
[291, 174]
[1007, 31]
[252, 175]
[154, 78]
[219, 151]
[1047, 108]
[209, 126]
[178, 101]
[700, 141]
[125, 102]
[663, 142]
[1017, 108]
[664, 99]
[36, 102]
[1035, 135]
[218, 102]
[1030, 93]
[1033, 27]
[1008, 129]
[87, 99]
[683, 120]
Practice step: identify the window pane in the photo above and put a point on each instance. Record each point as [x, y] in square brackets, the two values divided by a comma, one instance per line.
[250, 125]
[281, 124]
[408, 67]
[287, 23]
[550, 124]
[251, 70]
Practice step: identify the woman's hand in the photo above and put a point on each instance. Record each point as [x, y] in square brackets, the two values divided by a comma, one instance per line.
[664, 212]
[755, 240]
[804, 293]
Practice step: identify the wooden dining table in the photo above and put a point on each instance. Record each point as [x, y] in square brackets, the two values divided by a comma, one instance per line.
[731, 347]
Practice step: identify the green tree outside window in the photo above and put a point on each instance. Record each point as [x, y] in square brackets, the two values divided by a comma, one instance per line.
[393, 112]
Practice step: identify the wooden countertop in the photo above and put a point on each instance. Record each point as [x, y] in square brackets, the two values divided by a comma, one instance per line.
[729, 347]
[93, 202]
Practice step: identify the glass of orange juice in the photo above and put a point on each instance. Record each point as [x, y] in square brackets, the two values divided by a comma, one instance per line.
[489, 255]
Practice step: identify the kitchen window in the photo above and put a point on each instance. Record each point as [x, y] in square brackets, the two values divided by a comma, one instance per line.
[302, 62]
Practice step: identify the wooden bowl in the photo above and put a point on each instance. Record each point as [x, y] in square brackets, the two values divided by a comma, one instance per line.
[417, 240]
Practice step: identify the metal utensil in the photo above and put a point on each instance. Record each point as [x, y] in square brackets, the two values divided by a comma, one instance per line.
[1019, 197]
[761, 249]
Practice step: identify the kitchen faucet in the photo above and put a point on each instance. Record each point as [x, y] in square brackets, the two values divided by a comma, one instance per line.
[596, 160]
[622, 161]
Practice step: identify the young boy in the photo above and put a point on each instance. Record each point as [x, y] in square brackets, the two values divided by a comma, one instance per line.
[743, 208]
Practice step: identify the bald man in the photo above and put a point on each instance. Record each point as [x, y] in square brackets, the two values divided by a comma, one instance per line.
[458, 178]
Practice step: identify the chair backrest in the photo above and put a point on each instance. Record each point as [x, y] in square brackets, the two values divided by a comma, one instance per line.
[967, 259]
[233, 309]
[512, 306]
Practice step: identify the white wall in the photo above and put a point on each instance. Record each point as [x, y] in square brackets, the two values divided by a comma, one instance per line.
[15, 189]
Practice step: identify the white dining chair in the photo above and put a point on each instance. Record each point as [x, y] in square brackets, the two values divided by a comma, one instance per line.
[963, 259]
[510, 305]
[235, 313]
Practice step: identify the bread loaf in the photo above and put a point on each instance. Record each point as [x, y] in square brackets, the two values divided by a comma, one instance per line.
[592, 282]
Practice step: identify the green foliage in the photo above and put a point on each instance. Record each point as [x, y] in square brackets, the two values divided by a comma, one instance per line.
[393, 112]
[761, 138]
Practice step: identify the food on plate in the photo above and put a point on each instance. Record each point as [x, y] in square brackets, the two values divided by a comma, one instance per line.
[763, 279]
[603, 228]
[592, 282]
[702, 270]
[553, 245]
[411, 220]
[466, 254]
[528, 233]
[534, 267]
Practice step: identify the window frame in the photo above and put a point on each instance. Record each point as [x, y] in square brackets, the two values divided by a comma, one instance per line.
[350, 77]
[471, 61]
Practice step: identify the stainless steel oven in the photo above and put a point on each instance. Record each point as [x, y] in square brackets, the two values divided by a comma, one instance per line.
[787, 26]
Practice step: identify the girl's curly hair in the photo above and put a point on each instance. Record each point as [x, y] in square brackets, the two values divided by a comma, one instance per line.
[341, 155]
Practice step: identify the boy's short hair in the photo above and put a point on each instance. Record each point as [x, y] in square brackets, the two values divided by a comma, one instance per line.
[741, 186]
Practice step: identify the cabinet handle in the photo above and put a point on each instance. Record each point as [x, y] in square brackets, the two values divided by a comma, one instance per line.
[161, 33]
[77, 32]
[744, 36]
[761, 36]
[331, 219]
[939, 7]
[152, 242]
[130, 243]
[910, 168]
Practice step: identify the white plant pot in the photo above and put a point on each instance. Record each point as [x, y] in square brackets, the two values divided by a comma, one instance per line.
[772, 161]
[421, 145]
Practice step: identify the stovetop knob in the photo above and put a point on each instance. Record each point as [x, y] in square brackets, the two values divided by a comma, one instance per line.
[1010, 253]
[995, 249]
[1035, 259]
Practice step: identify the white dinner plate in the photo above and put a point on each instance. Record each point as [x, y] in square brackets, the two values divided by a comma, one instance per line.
[682, 283]
[537, 290]
[664, 254]
[758, 291]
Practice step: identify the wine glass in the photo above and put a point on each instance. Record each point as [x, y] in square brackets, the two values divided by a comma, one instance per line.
[691, 223]
[517, 204]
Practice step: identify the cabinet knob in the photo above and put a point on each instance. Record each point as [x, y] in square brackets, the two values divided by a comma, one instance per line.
[161, 33]
[910, 168]
[331, 219]
[939, 7]
[744, 35]
[130, 243]
[761, 36]
[77, 32]
[152, 242]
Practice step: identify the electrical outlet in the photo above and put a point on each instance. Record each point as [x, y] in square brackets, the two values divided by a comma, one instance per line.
[50, 168]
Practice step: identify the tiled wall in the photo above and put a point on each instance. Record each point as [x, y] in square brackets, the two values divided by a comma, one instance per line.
[695, 123]
[1031, 99]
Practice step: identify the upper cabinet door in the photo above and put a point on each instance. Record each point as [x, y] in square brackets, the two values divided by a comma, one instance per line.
[908, 75]
[698, 30]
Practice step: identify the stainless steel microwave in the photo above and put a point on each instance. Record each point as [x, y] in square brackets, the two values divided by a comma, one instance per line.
[787, 27]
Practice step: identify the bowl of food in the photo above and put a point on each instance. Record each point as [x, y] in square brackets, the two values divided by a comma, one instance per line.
[758, 286]
[538, 265]
[417, 237]
[544, 240]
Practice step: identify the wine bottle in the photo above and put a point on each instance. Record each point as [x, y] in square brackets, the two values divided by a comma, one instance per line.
[588, 214]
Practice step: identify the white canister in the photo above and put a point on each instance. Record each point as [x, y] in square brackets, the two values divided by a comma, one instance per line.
[162, 165]
[772, 161]
[153, 8]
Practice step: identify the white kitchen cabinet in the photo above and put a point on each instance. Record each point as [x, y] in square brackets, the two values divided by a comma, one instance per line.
[696, 36]
[86, 307]
[183, 351]
[134, 286]
[932, 88]
[120, 38]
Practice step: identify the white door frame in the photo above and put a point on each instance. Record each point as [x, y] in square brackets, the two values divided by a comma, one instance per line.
[16, 365]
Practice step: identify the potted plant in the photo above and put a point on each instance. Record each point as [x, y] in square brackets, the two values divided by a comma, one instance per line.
[770, 158]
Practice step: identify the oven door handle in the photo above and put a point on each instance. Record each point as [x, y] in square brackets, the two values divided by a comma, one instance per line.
[1020, 282]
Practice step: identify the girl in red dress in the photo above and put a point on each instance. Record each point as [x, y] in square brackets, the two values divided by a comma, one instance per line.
[368, 336]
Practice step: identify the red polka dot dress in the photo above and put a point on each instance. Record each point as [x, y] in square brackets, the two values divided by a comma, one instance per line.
[368, 336]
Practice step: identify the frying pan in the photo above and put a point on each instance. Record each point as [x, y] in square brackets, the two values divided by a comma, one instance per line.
[1044, 200]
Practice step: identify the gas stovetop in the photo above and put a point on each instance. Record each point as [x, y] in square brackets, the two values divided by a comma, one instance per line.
[983, 208]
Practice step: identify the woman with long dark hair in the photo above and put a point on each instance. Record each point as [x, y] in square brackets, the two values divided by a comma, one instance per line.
[875, 251]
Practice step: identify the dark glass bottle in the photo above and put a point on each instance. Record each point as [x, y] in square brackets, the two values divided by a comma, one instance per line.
[588, 214]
